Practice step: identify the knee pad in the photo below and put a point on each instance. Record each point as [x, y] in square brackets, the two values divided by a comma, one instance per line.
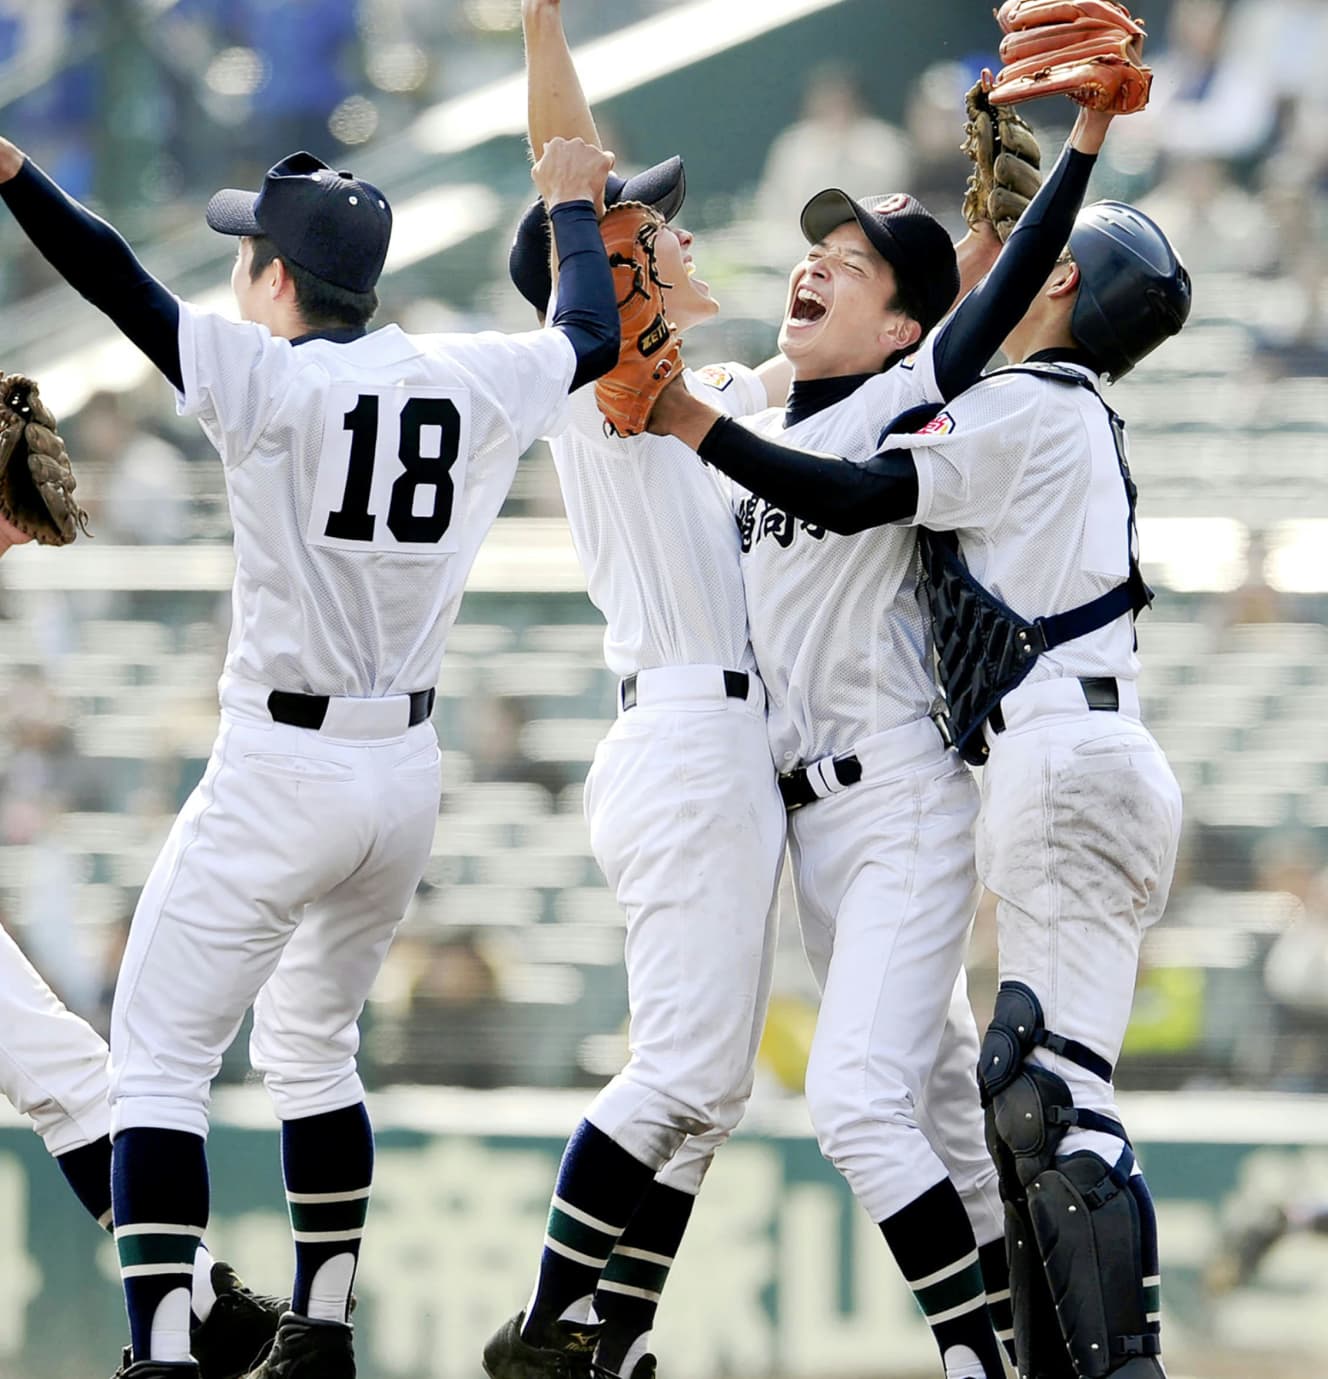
[1087, 1225]
[1028, 1108]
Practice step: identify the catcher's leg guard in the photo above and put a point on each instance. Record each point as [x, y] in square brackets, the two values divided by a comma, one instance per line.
[1088, 1230]
[1023, 1105]
[1076, 1234]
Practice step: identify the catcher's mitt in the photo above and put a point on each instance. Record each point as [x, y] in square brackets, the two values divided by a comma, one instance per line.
[36, 479]
[1088, 49]
[1006, 159]
[651, 350]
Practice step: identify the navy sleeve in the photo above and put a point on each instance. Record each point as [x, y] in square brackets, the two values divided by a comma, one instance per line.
[993, 308]
[824, 489]
[94, 259]
[587, 308]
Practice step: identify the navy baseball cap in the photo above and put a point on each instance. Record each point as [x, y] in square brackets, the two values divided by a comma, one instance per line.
[333, 224]
[661, 187]
[905, 234]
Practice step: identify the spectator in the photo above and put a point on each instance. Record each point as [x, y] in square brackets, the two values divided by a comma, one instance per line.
[836, 143]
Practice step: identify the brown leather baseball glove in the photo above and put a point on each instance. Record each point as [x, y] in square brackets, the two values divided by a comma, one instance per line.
[36, 479]
[651, 350]
[1090, 50]
[1006, 162]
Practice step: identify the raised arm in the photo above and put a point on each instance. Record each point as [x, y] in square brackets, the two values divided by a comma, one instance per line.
[570, 176]
[93, 259]
[982, 320]
[556, 106]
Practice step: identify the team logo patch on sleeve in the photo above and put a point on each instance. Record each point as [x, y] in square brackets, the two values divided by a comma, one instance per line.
[715, 376]
[940, 425]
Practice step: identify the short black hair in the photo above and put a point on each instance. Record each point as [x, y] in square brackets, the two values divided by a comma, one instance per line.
[322, 304]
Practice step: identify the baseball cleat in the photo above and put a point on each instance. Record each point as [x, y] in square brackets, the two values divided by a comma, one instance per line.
[570, 1354]
[307, 1349]
[154, 1369]
[240, 1324]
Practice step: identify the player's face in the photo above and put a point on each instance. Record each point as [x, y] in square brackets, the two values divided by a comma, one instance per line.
[687, 299]
[838, 319]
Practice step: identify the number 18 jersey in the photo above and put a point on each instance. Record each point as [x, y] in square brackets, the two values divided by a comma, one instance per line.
[362, 477]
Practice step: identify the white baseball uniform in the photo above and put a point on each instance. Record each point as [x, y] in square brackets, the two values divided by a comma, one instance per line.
[52, 1063]
[362, 478]
[883, 869]
[1080, 812]
[685, 818]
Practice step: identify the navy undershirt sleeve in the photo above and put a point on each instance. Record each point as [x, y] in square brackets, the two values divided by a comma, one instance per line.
[94, 259]
[587, 307]
[994, 307]
[824, 489]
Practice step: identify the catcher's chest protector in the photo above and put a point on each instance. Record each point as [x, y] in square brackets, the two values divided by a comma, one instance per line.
[983, 648]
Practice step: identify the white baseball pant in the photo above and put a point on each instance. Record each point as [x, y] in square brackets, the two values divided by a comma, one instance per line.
[1077, 840]
[687, 825]
[52, 1064]
[286, 872]
[886, 889]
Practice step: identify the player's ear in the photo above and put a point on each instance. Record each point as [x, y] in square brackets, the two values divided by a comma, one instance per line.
[1064, 281]
[901, 332]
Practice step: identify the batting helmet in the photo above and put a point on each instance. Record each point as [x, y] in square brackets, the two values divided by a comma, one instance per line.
[1133, 289]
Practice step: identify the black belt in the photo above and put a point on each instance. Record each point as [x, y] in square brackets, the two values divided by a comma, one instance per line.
[837, 773]
[309, 710]
[736, 685]
[1101, 692]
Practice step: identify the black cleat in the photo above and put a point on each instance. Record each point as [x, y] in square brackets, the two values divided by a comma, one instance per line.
[569, 1353]
[307, 1349]
[240, 1324]
[154, 1369]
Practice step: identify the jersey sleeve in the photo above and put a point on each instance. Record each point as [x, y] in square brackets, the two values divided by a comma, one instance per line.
[971, 457]
[890, 396]
[525, 376]
[735, 389]
[233, 378]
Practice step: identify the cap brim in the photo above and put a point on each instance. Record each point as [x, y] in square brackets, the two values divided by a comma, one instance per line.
[662, 187]
[231, 212]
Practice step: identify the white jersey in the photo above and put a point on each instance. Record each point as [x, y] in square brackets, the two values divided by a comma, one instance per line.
[655, 534]
[840, 640]
[1027, 473]
[362, 478]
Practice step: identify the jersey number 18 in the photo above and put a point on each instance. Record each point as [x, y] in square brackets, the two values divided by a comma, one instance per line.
[354, 520]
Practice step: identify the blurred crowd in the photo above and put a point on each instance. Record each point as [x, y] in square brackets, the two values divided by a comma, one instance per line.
[142, 105]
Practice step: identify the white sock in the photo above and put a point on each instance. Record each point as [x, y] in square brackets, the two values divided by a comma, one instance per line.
[203, 1294]
[581, 1311]
[329, 1293]
[634, 1352]
[169, 1341]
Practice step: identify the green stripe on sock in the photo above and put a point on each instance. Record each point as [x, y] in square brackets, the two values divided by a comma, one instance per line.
[636, 1273]
[157, 1249]
[1152, 1297]
[329, 1216]
[951, 1292]
[576, 1235]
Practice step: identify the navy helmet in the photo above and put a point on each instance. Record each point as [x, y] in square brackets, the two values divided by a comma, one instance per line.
[1134, 291]
[661, 187]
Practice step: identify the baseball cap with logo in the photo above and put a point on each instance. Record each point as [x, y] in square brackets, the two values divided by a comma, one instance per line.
[332, 224]
[905, 234]
[661, 187]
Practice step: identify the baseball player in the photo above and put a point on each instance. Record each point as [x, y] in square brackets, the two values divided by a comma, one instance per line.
[363, 471]
[883, 813]
[1028, 474]
[684, 816]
